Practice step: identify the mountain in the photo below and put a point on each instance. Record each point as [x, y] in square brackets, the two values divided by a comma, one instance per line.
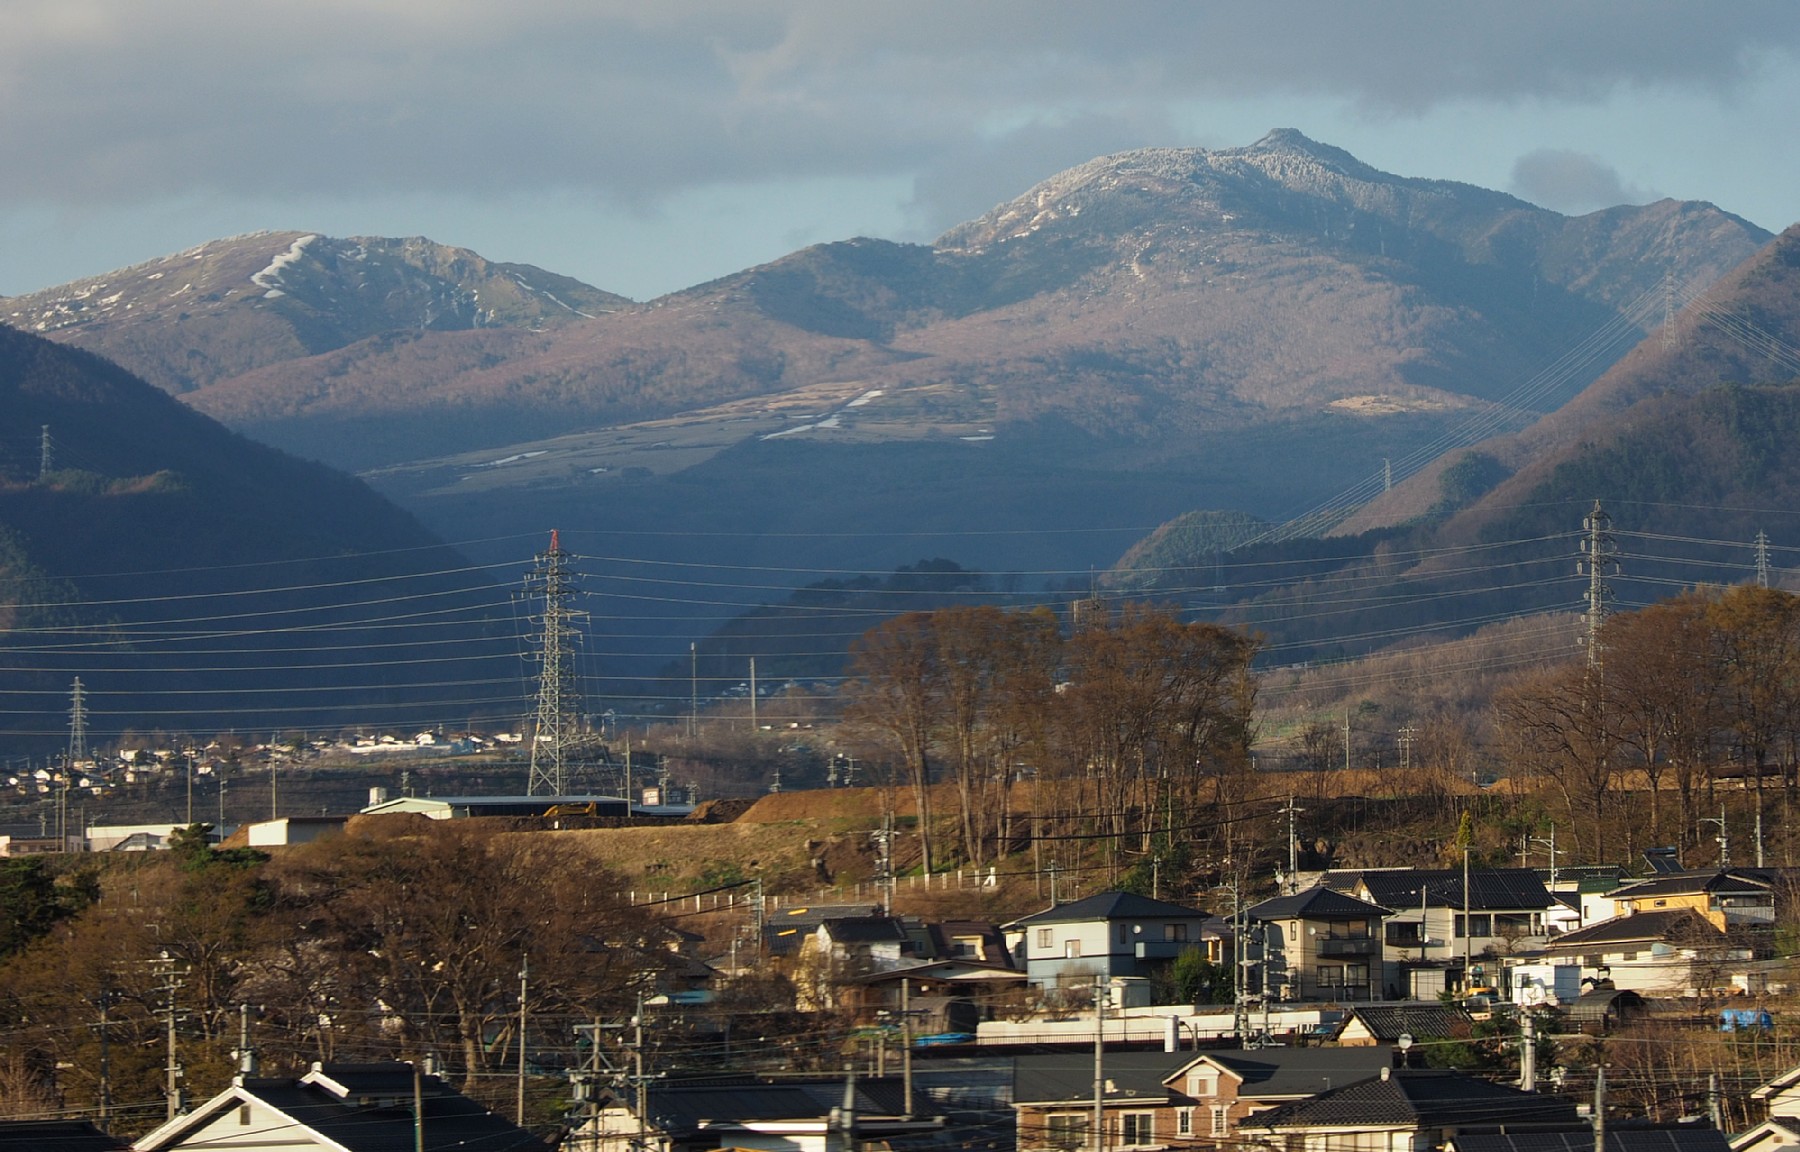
[1152, 332]
[230, 306]
[196, 580]
[1684, 443]
[1142, 297]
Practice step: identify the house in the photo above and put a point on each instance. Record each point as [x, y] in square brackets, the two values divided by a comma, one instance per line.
[342, 1107]
[1053, 1096]
[1163, 1100]
[1669, 952]
[943, 995]
[1403, 1110]
[786, 929]
[1437, 928]
[1371, 1024]
[1105, 936]
[825, 1114]
[1222, 1089]
[1320, 944]
[1730, 898]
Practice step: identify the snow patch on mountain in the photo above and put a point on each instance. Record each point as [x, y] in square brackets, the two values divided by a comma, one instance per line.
[269, 278]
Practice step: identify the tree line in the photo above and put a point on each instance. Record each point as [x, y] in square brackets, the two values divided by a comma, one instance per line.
[1685, 695]
[1128, 722]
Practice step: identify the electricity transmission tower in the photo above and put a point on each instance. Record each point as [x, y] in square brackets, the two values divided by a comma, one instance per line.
[557, 725]
[77, 723]
[1598, 557]
[1762, 559]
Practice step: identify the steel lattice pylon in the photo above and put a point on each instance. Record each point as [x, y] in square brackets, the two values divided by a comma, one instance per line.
[557, 719]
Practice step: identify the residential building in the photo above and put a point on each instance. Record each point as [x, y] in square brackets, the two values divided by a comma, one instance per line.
[1320, 944]
[827, 1114]
[1669, 952]
[1372, 1024]
[1781, 1129]
[344, 1108]
[1442, 937]
[1403, 1110]
[1730, 898]
[1105, 936]
[1155, 1100]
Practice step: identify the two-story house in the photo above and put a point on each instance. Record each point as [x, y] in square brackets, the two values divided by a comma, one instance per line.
[1403, 1110]
[1668, 952]
[1107, 935]
[1440, 936]
[1320, 944]
[1732, 899]
[1159, 1100]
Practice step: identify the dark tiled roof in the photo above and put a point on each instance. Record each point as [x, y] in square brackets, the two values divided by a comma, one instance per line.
[866, 930]
[1690, 883]
[1673, 925]
[1112, 906]
[1276, 1072]
[683, 1108]
[1618, 1139]
[1317, 903]
[1060, 1076]
[56, 1136]
[368, 1108]
[1414, 1098]
[1490, 889]
[1600, 1003]
[1388, 1022]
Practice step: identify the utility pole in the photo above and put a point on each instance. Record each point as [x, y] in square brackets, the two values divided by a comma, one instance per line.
[246, 1055]
[1598, 557]
[1724, 837]
[1406, 739]
[693, 689]
[1099, 1120]
[172, 1095]
[1762, 559]
[524, 987]
[1293, 873]
[753, 717]
[558, 713]
[1527, 1051]
[1599, 1107]
[105, 1060]
[1549, 843]
[189, 757]
[1346, 735]
[906, 1076]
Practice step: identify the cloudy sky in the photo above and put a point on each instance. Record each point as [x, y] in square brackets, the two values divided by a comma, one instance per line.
[648, 145]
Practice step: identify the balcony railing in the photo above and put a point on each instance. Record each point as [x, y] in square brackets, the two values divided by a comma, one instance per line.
[1346, 945]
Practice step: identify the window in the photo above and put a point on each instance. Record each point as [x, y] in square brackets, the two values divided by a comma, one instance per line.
[1175, 932]
[1218, 1120]
[1184, 1121]
[1071, 949]
[1046, 938]
[1136, 1128]
[1065, 1130]
[1124, 934]
[1201, 1084]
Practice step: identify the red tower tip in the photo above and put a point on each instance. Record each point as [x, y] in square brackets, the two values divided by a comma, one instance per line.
[553, 540]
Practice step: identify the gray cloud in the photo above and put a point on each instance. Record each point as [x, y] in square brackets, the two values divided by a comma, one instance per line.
[109, 101]
[1572, 182]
